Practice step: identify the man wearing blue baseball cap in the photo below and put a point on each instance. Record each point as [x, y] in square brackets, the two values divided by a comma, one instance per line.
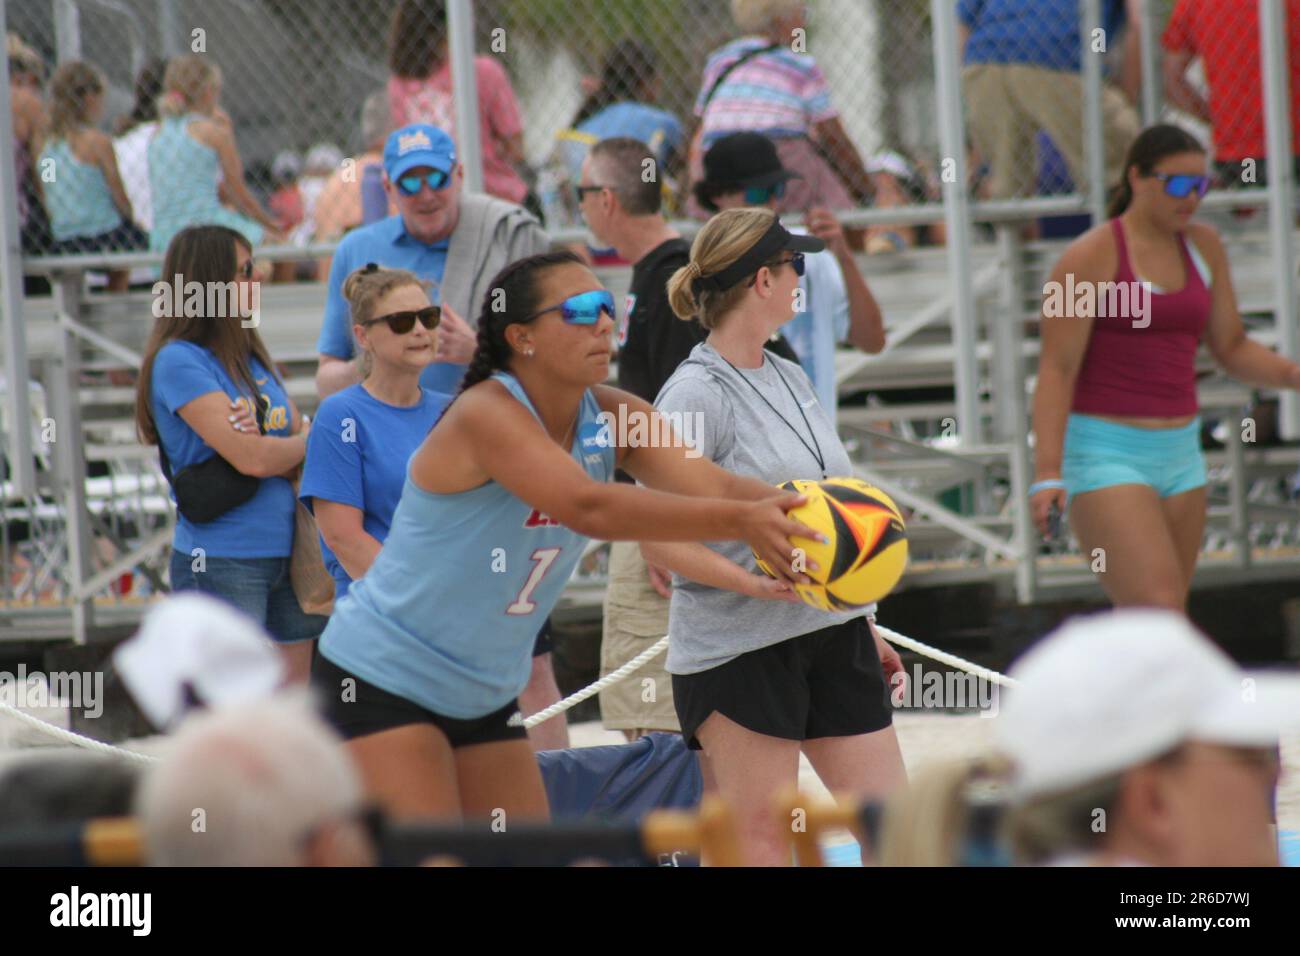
[457, 241]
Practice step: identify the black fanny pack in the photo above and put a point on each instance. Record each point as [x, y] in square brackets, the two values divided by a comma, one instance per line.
[206, 491]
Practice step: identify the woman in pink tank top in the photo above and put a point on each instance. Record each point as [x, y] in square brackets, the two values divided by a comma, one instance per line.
[1117, 434]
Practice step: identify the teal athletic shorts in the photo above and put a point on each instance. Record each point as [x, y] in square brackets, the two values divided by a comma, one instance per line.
[1099, 454]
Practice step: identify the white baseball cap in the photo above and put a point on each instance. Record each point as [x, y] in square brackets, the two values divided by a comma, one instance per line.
[193, 639]
[1110, 691]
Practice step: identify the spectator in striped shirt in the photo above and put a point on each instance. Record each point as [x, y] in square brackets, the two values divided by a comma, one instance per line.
[763, 82]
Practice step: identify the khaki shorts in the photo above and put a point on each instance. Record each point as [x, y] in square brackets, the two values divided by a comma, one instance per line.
[635, 617]
[1008, 103]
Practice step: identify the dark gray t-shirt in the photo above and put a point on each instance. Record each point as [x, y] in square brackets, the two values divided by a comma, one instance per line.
[733, 427]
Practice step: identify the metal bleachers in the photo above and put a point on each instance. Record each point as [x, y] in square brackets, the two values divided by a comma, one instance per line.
[967, 520]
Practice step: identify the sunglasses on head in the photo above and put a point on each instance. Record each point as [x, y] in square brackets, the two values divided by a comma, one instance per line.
[796, 260]
[403, 322]
[411, 183]
[1180, 185]
[582, 309]
[759, 195]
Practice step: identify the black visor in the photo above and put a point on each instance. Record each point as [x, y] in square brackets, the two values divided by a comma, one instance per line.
[775, 240]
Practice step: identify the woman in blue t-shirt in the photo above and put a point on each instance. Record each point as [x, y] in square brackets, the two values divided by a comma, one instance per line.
[204, 372]
[365, 434]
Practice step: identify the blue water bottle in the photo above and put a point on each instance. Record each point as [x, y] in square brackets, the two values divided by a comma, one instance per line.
[374, 201]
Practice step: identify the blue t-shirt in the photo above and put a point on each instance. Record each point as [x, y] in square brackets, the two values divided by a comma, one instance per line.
[356, 455]
[388, 244]
[261, 527]
[658, 129]
[1036, 32]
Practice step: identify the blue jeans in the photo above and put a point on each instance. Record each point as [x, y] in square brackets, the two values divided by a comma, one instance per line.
[257, 586]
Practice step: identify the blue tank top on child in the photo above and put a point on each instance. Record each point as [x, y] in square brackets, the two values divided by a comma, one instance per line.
[183, 176]
[77, 198]
[447, 615]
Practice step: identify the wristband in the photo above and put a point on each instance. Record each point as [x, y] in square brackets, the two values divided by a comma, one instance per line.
[1044, 485]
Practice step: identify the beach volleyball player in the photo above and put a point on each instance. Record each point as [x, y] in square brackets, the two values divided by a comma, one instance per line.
[422, 662]
[1115, 411]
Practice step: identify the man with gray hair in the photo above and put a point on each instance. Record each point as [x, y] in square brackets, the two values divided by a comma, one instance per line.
[263, 784]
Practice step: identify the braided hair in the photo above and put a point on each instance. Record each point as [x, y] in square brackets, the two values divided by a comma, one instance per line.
[511, 296]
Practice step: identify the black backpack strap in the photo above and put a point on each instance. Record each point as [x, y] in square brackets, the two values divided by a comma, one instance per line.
[739, 61]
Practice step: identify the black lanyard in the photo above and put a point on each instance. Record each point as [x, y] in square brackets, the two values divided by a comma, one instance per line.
[821, 462]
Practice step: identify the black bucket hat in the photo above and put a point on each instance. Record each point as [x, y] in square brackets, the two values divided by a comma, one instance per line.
[740, 161]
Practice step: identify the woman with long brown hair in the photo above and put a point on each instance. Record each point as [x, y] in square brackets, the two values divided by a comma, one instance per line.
[1115, 413]
[203, 373]
[419, 91]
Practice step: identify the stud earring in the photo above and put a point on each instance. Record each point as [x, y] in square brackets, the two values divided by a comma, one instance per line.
[528, 353]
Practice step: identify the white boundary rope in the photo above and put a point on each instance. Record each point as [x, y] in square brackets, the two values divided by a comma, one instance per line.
[613, 677]
[77, 740]
[943, 657]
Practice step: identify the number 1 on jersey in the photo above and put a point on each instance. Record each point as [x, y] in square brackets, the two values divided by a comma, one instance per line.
[543, 558]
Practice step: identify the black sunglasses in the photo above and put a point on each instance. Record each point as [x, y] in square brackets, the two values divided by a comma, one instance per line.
[245, 271]
[796, 260]
[403, 322]
[583, 190]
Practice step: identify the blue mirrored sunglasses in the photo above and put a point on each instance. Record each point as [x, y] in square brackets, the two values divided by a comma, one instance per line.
[410, 185]
[1181, 185]
[759, 195]
[582, 309]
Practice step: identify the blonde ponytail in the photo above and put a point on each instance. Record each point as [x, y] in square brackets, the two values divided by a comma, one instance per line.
[724, 239]
[185, 81]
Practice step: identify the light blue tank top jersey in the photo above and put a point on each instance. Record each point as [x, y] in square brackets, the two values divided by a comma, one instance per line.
[183, 182]
[77, 198]
[447, 615]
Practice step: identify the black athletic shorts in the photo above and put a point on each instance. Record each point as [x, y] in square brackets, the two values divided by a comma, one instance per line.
[828, 683]
[543, 645]
[372, 709]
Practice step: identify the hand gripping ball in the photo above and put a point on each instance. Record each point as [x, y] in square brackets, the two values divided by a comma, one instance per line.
[868, 543]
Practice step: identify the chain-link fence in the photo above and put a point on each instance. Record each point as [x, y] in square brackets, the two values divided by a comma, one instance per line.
[133, 118]
[292, 79]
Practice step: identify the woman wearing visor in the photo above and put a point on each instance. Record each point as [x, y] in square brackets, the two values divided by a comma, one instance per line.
[759, 676]
[423, 660]
[1115, 413]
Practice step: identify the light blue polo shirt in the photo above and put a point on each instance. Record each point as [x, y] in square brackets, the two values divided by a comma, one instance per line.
[388, 244]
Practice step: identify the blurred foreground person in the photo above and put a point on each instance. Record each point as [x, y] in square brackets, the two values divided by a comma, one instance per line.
[1133, 741]
[263, 784]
